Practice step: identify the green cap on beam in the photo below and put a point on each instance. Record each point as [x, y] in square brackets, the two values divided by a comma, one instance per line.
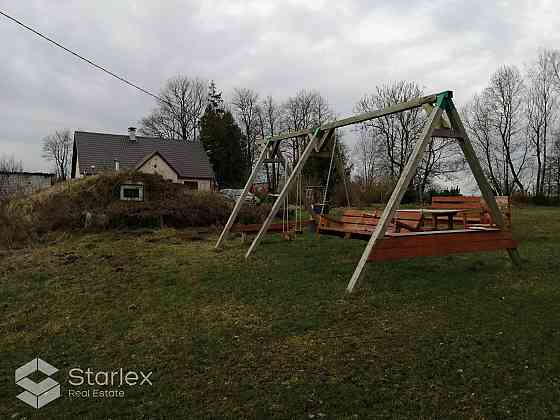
[443, 99]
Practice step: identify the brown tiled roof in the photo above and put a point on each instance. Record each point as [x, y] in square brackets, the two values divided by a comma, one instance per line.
[188, 159]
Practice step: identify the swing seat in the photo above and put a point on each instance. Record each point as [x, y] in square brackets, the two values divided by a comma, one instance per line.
[361, 224]
[352, 223]
[274, 227]
[396, 246]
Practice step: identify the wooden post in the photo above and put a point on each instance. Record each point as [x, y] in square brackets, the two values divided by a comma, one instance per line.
[278, 203]
[478, 173]
[241, 199]
[398, 193]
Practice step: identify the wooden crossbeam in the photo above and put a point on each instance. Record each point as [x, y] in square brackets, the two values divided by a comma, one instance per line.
[447, 133]
[356, 119]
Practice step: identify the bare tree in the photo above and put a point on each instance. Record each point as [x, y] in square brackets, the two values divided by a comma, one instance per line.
[496, 119]
[307, 109]
[366, 156]
[245, 106]
[505, 96]
[321, 110]
[56, 149]
[398, 132]
[268, 117]
[541, 110]
[554, 59]
[554, 166]
[394, 136]
[8, 166]
[476, 115]
[270, 114]
[181, 104]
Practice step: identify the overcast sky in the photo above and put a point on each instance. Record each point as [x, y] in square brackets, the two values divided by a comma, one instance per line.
[343, 49]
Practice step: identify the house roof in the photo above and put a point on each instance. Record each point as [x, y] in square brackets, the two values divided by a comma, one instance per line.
[188, 159]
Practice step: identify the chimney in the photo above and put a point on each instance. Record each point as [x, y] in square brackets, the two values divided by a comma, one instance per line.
[132, 133]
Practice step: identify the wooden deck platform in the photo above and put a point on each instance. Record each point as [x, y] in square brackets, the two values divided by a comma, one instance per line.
[396, 246]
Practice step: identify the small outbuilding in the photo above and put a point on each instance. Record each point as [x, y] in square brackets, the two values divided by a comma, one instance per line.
[12, 183]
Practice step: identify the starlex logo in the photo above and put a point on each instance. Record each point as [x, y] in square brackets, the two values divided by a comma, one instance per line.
[39, 394]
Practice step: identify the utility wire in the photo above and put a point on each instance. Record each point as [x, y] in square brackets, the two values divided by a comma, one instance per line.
[97, 66]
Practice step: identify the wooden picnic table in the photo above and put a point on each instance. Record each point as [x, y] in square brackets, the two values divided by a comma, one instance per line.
[435, 213]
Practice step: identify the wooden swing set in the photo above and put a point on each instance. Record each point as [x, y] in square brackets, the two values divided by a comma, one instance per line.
[394, 234]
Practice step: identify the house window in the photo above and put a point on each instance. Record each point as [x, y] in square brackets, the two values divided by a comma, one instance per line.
[191, 185]
[132, 192]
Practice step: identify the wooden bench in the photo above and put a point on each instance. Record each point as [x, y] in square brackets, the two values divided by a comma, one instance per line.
[411, 221]
[476, 211]
[504, 204]
[359, 223]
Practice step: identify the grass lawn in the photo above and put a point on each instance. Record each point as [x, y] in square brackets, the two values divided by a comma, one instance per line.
[462, 336]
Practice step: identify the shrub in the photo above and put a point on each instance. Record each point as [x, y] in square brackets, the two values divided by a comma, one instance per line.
[544, 200]
[15, 229]
[94, 202]
[254, 214]
[97, 199]
[363, 196]
[440, 191]
[520, 198]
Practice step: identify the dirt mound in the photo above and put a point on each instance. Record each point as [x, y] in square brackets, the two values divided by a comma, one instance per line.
[94, 203]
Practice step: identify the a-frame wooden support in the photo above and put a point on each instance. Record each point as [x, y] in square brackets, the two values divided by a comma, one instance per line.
[327, 136]
[241, 200]
[444, 103]
[314, 139]
[474, 164]
[398, 193]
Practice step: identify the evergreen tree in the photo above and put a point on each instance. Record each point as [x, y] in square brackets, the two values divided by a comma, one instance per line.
[215, 101]
[221, 138]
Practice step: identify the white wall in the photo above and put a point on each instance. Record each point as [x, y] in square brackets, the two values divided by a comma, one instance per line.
[156, 165]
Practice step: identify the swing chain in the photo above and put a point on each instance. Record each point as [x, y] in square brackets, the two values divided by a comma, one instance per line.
[329, 174]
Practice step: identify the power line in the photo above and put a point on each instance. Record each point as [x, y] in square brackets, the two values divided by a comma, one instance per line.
[97, 66]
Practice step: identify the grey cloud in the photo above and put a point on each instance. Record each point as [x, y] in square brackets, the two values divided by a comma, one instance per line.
[343, 49]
